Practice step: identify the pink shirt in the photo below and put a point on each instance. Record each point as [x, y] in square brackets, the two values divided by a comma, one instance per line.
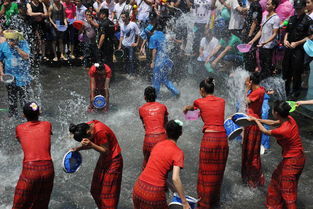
[70, 10]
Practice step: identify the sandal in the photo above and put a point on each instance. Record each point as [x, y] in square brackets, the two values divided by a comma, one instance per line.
[55, 59]
[45, 58]
[63, 58]
[72, 56]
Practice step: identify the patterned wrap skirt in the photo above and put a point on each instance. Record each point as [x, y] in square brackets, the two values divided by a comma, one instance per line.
[34, 186]
[212, 162]
[282, 190]
[106, 182]
[251, 168]
[149, 141]
[147, 196]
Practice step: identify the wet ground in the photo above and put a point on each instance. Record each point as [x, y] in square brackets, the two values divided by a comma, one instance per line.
[63, 94]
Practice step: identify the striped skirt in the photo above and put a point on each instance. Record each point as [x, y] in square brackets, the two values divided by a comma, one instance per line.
[212, 162]
[148, 143]
[106, 182]
[282, 190]
[34, 186]
[147, 196]
[251, 168]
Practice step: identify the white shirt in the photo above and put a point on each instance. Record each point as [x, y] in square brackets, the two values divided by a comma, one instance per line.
[109, 6]
[267, 30]
[118, 9]
[96, 5]
[80, 12]
[311, 15]
[202, 11]
[236, 19]
[143, 10]
[208, 46]
[129, 32]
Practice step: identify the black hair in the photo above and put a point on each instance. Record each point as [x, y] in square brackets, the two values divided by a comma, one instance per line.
[104, 11]
[282, 108]
[79, 131]
[208, 85]
[101, 66]
[255, 78]
[31, 111]
[21, 6]
[150, 94]
[173, 130]
[126, 14]
[276, 3]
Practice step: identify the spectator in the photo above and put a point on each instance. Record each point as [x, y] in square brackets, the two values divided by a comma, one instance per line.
[108, 4]
[14, 54]
[80, 10]
[297, 32]
[70, 13]
[183, 5]
[57, 15]
[97, 6]
[129, 41]
[237, 11]
[266, 36]
[8, 9]
[120, 8]
[106, 37]
[207, 44]
[38, 12]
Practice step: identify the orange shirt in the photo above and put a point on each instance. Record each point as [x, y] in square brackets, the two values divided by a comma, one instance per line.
[163, 157]
[212, 111]
[153, 115]
[104, 136]
[35, 138]
[255, 106]
[288, 138]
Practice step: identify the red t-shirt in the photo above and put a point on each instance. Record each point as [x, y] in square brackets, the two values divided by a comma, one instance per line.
[100, 77]
[104, 136]
[153, 114]
[212, 110]
[288, 138]
[256, 98]
[70, 10]
[163, 157]
[35, 138]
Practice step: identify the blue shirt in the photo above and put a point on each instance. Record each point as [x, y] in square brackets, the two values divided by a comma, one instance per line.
[14, 64]
[158, 42]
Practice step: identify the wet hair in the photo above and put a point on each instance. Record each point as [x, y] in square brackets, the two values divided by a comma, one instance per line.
[208, 85]
[173, 130]
[79, 131]
[31, 111]
[282, 108]
[150, 94]
[104, 11]
[255, 78]
[276, 3]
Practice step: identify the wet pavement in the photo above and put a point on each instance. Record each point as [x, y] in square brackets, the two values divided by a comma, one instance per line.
[63, 94]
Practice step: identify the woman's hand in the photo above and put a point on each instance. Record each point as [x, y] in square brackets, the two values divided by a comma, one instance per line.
[86, 142]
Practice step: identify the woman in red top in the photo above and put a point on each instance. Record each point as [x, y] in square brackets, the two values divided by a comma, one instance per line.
[70, 13]
[214, 145]
[149, 191]
[282, 190]
[154, 117]
[100, 76]
[35, 184]
[251, 168]
[107, 177]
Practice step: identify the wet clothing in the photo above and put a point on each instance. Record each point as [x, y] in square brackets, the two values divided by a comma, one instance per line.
[107, 177]
[251, 169]
[213, 150]
[34, 187]
[150, 187]
[293, 64]
[36, 147]
[106, 28]
[162, 64]
[212, 110]
[153, 115]
[212, 163]
[282, 190]
[35, 184]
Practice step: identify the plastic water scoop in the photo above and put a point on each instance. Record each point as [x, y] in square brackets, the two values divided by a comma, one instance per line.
[192, 115]
[293, 105]
[244, 48]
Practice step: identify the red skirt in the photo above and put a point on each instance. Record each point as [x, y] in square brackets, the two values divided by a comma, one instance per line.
[282, 190]
[148, 143]
[106, 182]
[251, 168]
[212, 162]
[147, 196]
[34, 186]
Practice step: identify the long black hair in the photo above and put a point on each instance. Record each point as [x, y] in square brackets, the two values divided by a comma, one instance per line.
[79, 131]
[208, 85]
[282, 108]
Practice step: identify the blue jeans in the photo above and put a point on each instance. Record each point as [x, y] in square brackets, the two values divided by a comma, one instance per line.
[160, 76]
[129, 58]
